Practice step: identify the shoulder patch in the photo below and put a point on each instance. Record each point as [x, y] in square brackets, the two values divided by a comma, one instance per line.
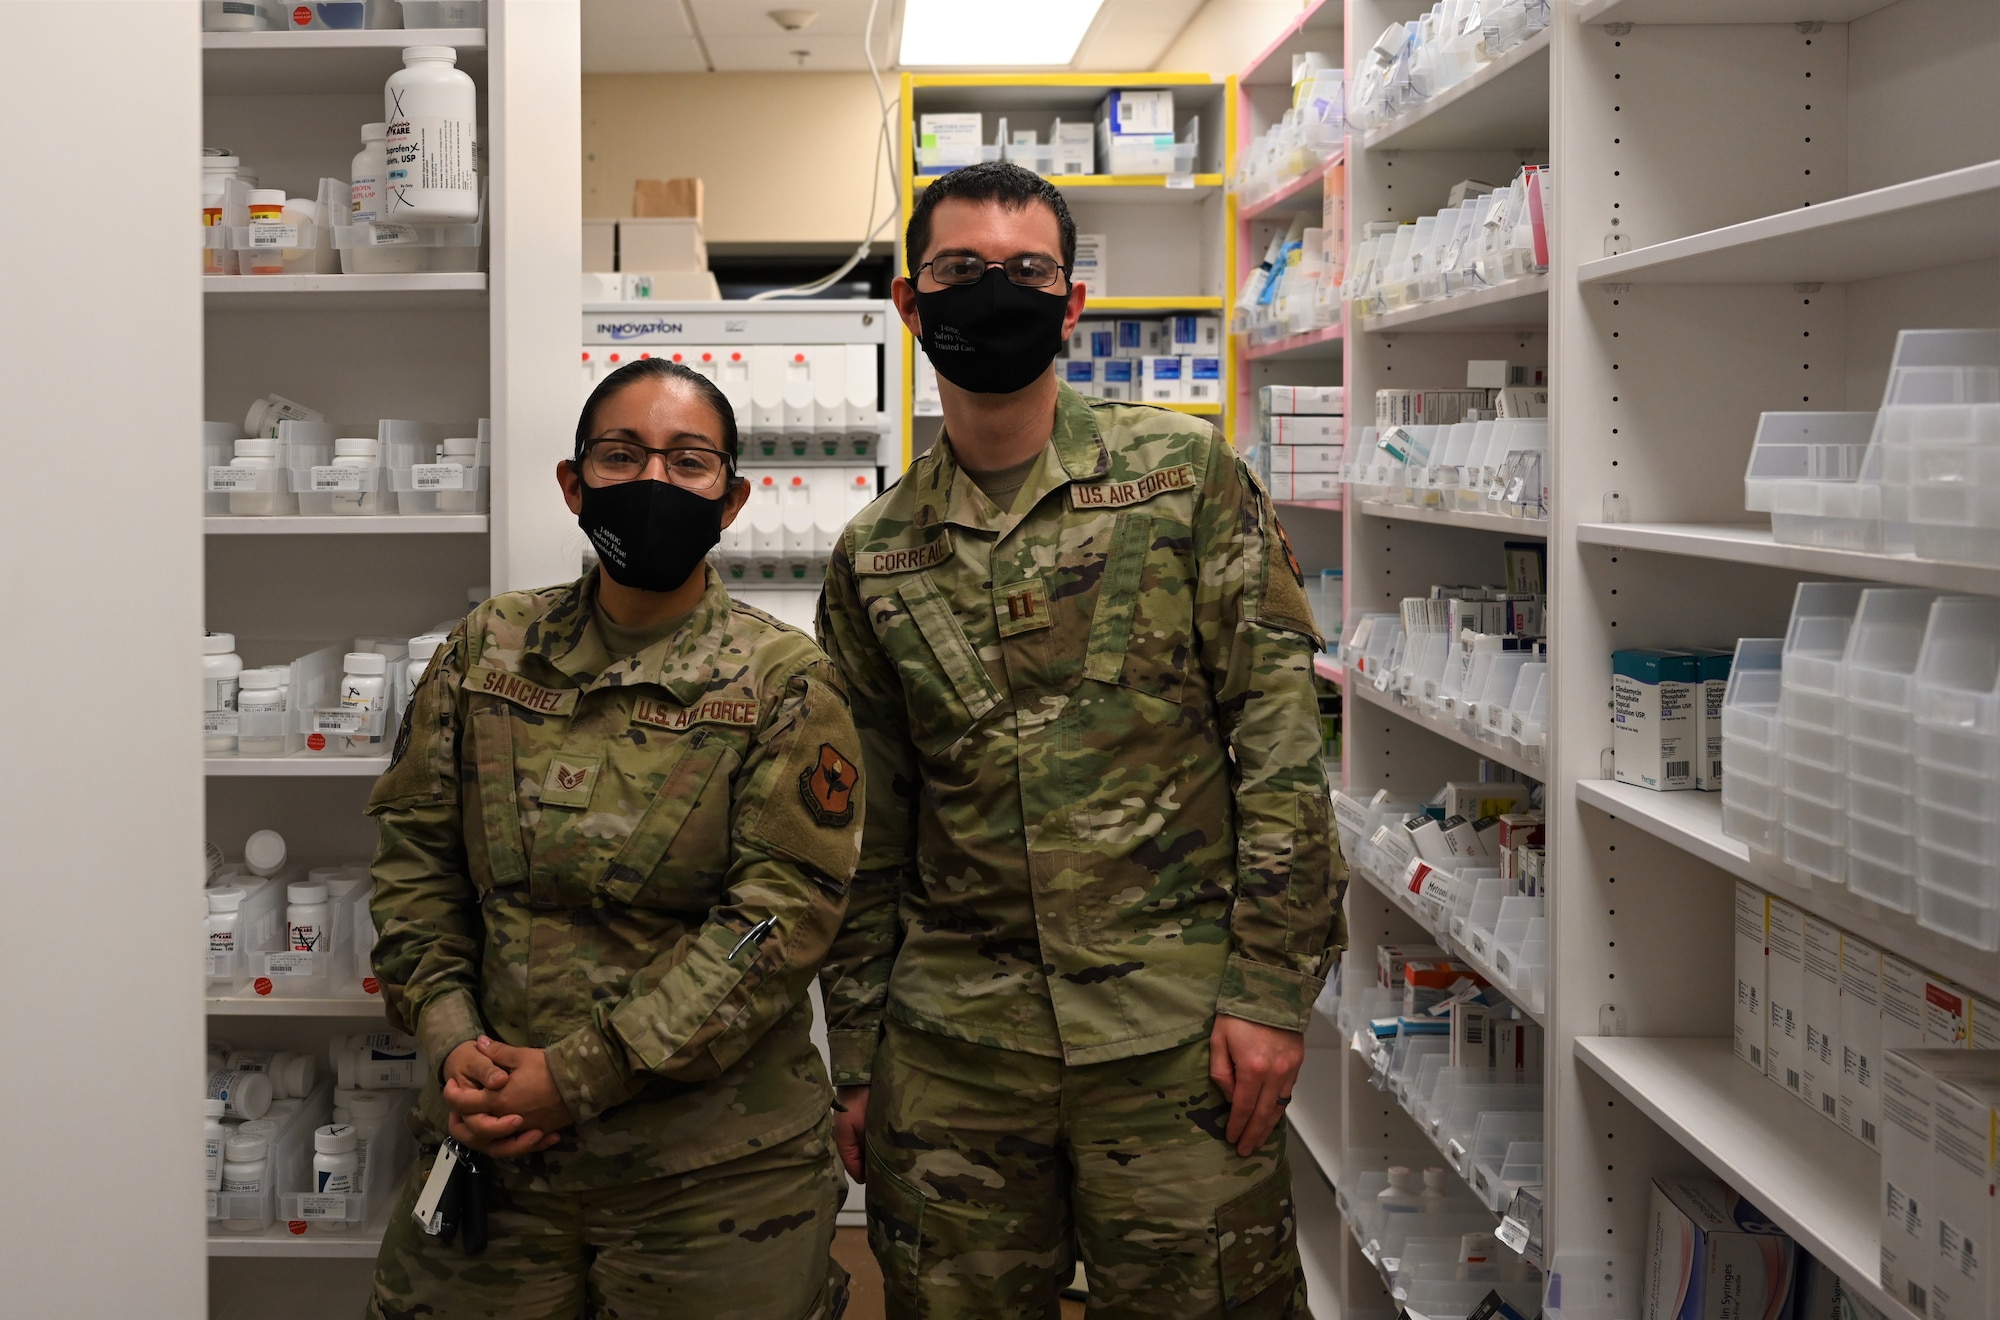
[514, 688]
[709, 710]
[904, 559]
[1118, 494]
[827, 787]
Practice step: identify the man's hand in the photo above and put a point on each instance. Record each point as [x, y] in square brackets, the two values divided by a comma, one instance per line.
[850, 1131]
[1255, 1066]
[523, 1115]
[472, 1070]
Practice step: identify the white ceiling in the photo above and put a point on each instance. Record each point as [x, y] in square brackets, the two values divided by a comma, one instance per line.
[739, 36]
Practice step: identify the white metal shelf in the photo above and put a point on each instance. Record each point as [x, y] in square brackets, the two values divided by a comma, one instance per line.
[1521, 304]
[343, 293]
[1479, 521]
[1369, 693]
[1808, 1177]
[301, 766]
[1754, 545]
[1504, 104]
[355, 1007]
[299, 63]
[362, 1243]
[360, 524]
[1692, 822]
[1726, 11]
[1940, 220]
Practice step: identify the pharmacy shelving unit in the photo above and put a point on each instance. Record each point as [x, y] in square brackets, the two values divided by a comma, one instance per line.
[1169, 238]
[497, 343]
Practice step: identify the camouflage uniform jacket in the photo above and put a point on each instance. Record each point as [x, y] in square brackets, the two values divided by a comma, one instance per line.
[1096, 813]
[572, 848]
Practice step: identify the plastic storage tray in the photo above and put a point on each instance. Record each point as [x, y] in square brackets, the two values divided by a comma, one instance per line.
[390, 1151]
[1753, 752]
[1804, 471]
[1958, 771]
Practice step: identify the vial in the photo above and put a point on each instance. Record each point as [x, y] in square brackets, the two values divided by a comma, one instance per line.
[360, 452]
[264, 853]
[214, 1133]
[221, 670]
[260, 712]
[364, 690]
[246, 1174]
[336, 1171]
[225, 930]
[432, 140]
[308, 919]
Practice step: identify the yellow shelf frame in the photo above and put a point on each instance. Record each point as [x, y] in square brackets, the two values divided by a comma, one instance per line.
[906, 136]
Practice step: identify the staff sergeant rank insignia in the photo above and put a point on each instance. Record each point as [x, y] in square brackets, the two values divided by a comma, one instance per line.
[827, 785]
[1118, 494]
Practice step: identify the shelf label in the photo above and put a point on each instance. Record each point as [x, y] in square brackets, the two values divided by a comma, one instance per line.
[341, 476]
[213, 1197]
[1180, 181]
[219, 723]
[288, 964]
[1514, 1234]
[391, 235]
[322, 1207]
[438, 476]
[233, 478]
[339, 719]
[266, 234]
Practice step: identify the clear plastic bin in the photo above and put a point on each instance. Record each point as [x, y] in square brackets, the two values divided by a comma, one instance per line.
[1804, 471]
[444, 13]
[384, 249]
[1753, 731]
[1493, 1136]
[288, 1163]
[390, 1152]
[1815, 645]
[1958, 772]
[1940, 417]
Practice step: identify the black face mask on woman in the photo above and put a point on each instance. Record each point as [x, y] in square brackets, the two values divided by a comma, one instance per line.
[993, 337]
[650, 535]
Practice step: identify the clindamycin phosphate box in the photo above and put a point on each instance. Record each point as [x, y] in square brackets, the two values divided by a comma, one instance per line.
[1713, 1256]
[1654, 731]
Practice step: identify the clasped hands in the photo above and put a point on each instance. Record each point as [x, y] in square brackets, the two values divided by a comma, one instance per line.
[502, 1100]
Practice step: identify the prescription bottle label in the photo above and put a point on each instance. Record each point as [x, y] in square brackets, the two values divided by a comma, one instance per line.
[322, 1207]
[232, 478]
[288, 964]
[271, 233]
[431, 151]
[438, 476]
[340, 720]
[341, 477]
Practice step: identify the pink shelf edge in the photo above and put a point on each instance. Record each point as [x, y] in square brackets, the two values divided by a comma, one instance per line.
[1324, 334]
[1291, 30]
[1258, 209]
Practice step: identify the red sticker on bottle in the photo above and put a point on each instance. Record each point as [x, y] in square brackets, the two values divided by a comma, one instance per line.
[296, 1226]
[303, 15]
[262, 985]
[316, 741]
[371, 985]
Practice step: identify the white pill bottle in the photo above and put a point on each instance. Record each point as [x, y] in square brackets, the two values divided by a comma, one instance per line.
[431, 144]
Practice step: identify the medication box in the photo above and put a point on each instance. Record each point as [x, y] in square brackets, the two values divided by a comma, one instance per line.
[1713, 1256]
[1860, 1039]
[1819, 1073]
[1714, 667]
[1321, 399]
[1653, 726]
[1288, 429]
[1116, 380]
[1784, 994]
[1160, 380]
[1201, 379]
[945, 142]
[1305, 486]
[1194, 334]
[1963, 1146]
[1299, 460]
[1135, 132]
[1753, 916]
[1092, 265]
[1075, 148]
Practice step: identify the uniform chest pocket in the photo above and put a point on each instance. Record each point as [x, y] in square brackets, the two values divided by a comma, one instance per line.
[946, 688]
[1142, 625]
[677, 854]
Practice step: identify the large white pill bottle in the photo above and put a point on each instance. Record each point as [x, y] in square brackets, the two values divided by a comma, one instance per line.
[431, 144]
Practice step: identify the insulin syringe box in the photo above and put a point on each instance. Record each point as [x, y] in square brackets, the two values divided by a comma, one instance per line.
[1713, 1256]
[1653, 726]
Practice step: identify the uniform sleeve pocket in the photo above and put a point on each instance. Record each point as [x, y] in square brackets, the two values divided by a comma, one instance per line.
[895, 1225]
[1257, 1234]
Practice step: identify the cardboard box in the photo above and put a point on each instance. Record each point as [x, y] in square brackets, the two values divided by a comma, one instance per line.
[1653, 730]
[1117, 380]
[1076, 147]
[661, 246]
[1714, 679]
[1713, 1256]
[667, 198]
[1132, 111]
[1902, 1001]
[1471, 1035]
[1080, 374]
[1092, 268]
[1135, 133]
[1193, 334]
[1325, 400]
[1305, 486]
[1860, 1039]
[949, 141]
[1139, 338]
[1909, 1105]
[1391, 959]
[1517, 1044]
[1784, 995]
[1289, 460]
[1819, 1073]
[1823, 1295]
[1947, 1015]
[1311, 429]
[1752, 1020]
[1965, 1146]
[1160, 380]
[1201, 379]
[1474, 799]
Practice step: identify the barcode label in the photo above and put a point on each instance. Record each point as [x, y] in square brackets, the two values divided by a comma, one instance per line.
[322, 1207]
[1677, 769]
[233, 478]
[1715, 769]
[1913, 1220]
[438, 476]
[1867, 1132]
[1756, 1056]
[1827, 1104]
[337, 719]
[1792, 1078]
[1919, 1297]
[340, 477]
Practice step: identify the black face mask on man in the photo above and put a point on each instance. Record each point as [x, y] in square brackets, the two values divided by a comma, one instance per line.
[992, 337]
[650, 535]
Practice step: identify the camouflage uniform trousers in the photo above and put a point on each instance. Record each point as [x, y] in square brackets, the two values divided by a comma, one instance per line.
[986, 1164]
[749, 1239]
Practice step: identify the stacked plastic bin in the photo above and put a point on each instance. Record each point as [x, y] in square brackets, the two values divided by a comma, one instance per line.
[1815, 729]
[1958, 771]
[1804, 471]
[1936, 448]
[1880, 668]
[1753, 754]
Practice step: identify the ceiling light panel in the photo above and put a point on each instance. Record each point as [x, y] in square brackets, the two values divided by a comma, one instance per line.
[994, 33]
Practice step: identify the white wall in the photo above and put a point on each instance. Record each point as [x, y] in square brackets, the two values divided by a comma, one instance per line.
[101, 535]
[787, 157]
[1225, 35]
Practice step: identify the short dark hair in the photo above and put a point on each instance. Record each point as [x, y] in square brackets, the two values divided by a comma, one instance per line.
[650, 369]
[999, 181]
